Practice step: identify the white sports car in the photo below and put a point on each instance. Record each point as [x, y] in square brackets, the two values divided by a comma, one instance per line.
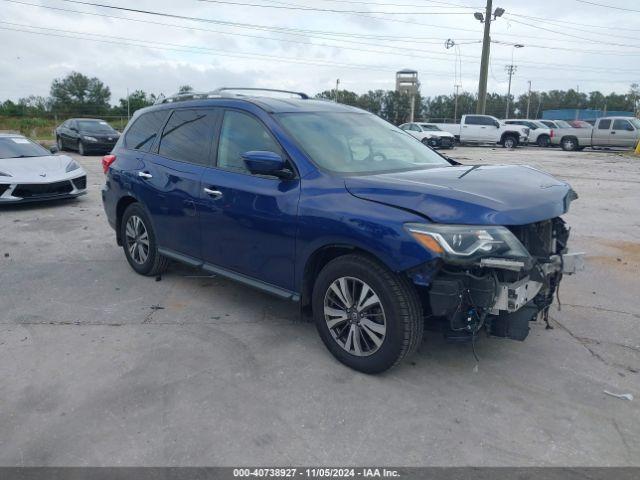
[29, 172]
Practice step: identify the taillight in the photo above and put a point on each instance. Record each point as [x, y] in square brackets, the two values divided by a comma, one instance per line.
[107, 160]
[552, 133]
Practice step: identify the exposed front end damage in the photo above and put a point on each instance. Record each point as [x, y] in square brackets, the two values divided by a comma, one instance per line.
[499, 279]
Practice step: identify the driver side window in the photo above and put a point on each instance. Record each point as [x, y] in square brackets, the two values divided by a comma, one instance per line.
[242, 133]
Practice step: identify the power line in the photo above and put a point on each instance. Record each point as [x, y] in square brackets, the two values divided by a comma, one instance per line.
[609, 6]
[600, 42]
[561, 24]
[290, 6]
[564, 22]
[206, 20]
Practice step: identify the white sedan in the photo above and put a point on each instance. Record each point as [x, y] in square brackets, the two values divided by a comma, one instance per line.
[29, 172]
[430, 134]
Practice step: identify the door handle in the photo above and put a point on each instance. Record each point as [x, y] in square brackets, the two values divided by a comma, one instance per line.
[213, 193]
[145, 175]
[613, 133]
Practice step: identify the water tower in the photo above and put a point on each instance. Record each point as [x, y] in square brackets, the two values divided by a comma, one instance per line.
[407, 82]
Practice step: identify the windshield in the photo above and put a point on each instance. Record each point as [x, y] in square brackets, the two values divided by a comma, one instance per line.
[636, 122]
[16, 147]
[357, 143]
[426, 126]
[540, 125]
[97, 126]
[563, 124]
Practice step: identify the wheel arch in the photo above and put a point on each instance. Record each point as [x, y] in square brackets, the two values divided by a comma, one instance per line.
[121, 206]
[510, 133]
[321, 257]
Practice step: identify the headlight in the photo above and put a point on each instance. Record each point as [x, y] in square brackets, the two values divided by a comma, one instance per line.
[73, 165]
[90, 139]
[465, 244]
[2, 174]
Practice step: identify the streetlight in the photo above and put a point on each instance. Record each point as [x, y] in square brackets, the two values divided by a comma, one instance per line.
[486, 48]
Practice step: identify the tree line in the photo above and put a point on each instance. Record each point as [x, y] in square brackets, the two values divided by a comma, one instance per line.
[78, 95]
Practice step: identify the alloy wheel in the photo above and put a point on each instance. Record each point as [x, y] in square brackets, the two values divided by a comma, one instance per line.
[137, 239]
[355, 316]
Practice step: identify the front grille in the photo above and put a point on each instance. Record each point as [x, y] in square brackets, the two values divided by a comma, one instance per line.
[80, 183]
[34, 190]
[445, 142]
[543, 239]
[3, 188]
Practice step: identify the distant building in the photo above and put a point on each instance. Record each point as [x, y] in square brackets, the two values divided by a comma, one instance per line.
[587, 115]
[407, 82]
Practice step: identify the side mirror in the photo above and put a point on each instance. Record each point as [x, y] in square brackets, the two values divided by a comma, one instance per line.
[54, 149]
[266, 163]
[497, 124]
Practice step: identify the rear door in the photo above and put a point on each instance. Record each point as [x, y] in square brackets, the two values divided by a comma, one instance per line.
[601, 132]
[248, 221]
[171, 178]
[623, 134]
[473, 129]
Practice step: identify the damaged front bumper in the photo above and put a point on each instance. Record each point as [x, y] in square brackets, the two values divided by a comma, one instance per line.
[501, 294]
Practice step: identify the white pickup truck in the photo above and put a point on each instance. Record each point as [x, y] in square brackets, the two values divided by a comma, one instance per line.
[486, 129]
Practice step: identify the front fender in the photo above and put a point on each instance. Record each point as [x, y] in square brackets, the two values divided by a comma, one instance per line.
[334, 217]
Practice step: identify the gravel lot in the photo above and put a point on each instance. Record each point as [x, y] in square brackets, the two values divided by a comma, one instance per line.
[100, 366]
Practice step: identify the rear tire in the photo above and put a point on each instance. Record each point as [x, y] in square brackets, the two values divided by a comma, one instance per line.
[569, 144]
[387, 328]
[139, 242]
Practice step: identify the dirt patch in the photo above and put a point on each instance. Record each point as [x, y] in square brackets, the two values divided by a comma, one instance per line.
[626, 251]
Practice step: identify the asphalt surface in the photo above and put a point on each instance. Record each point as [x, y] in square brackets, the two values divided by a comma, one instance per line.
[100, 366]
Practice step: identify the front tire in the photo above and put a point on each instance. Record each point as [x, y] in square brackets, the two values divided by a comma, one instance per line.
[139, 242]
[543, 141]
[59, 143]
[368, 317]
[510, 142]
[81, 149]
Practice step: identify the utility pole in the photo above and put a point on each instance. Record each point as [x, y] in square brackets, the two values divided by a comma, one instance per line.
[529, 99]
[510, 69]
[337, 88]
[455, 108]
[486, 50]
[128, 107]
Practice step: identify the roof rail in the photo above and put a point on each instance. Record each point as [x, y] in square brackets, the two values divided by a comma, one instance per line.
[220, 91]
[179, 97]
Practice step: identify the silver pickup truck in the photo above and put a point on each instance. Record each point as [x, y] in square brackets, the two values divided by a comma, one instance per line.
[623, 132]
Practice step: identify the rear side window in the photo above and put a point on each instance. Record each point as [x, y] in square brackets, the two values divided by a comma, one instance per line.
[604, 124]
[144, 131]
[188, 135]
[242, 133]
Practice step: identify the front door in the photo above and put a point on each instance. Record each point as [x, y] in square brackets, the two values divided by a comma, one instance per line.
[623, 134]
[248, 221]
[172, 175]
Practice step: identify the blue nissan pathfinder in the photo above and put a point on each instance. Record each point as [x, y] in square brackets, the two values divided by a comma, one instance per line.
[375, 234]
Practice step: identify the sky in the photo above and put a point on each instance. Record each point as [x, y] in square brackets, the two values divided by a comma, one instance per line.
[306, 45]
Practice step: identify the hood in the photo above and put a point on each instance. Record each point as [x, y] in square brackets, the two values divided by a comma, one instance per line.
[480, 195]
[31, 169]
[435, 133]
